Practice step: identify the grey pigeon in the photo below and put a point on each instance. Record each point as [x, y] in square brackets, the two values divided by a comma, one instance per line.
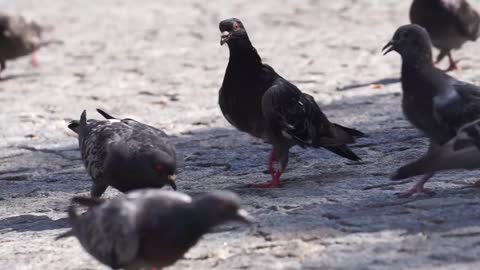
[124, 154]
[434, 102]
[19, 38]
[258, 101]
[461, 152]
[450, 24]
[150, 227]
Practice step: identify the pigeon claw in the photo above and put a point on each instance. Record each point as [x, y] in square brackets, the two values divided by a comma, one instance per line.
[272, 184]
[275, 183]
[417, 189]
[33, 60]
[452, 64]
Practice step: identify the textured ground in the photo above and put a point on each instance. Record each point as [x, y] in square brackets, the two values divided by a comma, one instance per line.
[162, 64]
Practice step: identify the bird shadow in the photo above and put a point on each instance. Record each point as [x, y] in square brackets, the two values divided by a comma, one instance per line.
[32, 223]
[16, 76]
[385, 81]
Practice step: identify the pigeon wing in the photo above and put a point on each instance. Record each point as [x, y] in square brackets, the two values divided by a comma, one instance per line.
[457, 106]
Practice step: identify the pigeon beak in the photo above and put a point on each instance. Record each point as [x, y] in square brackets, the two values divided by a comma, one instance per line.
[224, 37]
[388, 48]
[171, 181]
[243, 216]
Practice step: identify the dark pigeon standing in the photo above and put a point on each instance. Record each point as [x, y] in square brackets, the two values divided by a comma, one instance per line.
[124, 154]
[149, 228]
[256, 100]
[461, 152]
[434, 102]
[450, 23]
[19, 38]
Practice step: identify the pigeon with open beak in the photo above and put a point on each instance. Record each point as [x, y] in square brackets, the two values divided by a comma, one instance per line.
[434, 102]
[258, 101]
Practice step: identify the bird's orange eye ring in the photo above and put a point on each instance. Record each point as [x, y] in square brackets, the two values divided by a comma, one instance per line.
[236, 26]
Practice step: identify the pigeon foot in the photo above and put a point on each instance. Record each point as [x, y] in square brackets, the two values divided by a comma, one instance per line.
[33, 60]
[275, 183]
[417, 189]
[453, 64]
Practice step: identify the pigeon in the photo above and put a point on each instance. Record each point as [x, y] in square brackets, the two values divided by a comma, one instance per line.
[256, 100]
[149, 227]
[450, 24]
[19, 38]
[434, 102]
[461, 152]
[124, 154]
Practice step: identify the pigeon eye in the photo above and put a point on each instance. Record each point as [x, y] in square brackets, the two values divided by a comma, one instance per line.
[236, 26]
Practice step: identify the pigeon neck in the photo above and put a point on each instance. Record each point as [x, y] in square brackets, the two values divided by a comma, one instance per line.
[242, 52]
[418, 62]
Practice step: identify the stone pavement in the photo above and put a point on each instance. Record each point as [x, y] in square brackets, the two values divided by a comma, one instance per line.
[161, 63]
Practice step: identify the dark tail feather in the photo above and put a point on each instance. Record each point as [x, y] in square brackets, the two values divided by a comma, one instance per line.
[83, 118]
[417, 167]
[343, 151]
[72, 215]
[87, 201]
[106, 115]
[351, 131]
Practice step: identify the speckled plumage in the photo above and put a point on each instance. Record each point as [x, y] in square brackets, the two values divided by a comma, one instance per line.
[149, 228]
[255, 99]
[450, 23]
[434, 102]
[124, 154]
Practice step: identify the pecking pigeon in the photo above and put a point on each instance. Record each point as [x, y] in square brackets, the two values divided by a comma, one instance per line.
[124, 154]
[450, 23]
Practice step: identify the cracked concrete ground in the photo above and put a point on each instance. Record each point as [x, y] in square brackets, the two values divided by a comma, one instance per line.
[161, 63]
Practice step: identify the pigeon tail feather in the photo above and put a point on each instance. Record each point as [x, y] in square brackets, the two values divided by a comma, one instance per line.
[353, 132]
[343, 151]
[104, 114]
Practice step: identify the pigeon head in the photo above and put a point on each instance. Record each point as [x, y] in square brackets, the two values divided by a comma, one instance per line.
[232, 31]
[412, 42]
[221, 206]
[153, 166]
[164, 166]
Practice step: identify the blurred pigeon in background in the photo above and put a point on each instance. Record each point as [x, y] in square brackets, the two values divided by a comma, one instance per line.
[450, 23]
[19, 38]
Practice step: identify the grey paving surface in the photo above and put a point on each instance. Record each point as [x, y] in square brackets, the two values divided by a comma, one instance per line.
[160, 62]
